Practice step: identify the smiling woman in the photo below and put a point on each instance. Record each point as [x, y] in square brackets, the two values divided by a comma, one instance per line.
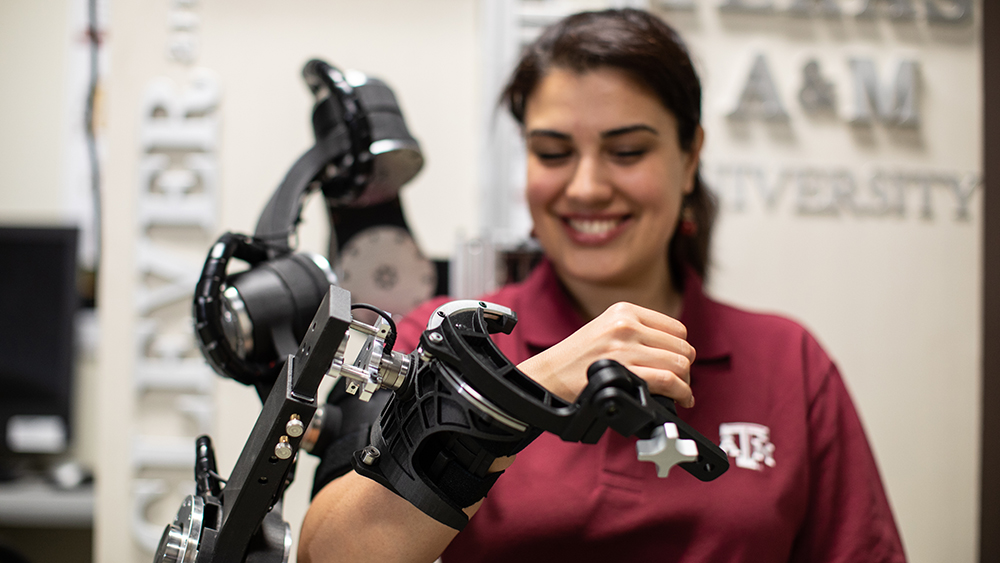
[606, 181]
[610, 109]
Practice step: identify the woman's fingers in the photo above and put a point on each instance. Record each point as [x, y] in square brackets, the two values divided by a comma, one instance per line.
[631, 323]
[650, 344]
[649, 318]
[666, 383]
[657, 340]
[656, 359]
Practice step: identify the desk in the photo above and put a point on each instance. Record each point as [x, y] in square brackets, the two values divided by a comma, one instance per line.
[37, 503]
[47, 524]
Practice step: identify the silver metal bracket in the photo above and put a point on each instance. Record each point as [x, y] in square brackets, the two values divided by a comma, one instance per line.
[373, 369]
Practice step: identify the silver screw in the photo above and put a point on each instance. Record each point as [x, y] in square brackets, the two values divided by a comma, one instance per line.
[294, 427]
[283, 450]
[435, 337]
[369, 455]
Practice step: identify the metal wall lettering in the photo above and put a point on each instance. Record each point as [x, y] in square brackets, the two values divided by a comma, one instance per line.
[894, 104]
[956, 12]
[946, 12]
[676, 4]
[747, 6]
[176, 212]
[899, 10]
[817, 96]
[840, 191]
[759, 97]
[827, 8]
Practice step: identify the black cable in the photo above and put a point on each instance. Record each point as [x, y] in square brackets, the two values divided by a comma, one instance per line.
[95, 168]
[390, 340]
[217, 477]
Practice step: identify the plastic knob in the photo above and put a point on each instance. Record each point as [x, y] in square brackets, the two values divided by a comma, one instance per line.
[666, 449]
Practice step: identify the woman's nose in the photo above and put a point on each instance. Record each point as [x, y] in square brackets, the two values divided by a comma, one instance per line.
[589, 183]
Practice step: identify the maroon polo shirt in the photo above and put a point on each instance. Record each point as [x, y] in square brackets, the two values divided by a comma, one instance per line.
[802, 485]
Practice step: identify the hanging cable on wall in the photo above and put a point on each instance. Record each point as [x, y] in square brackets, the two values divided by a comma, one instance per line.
[94, 42]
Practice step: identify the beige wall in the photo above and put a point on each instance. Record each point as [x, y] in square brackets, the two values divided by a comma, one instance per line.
[895, 300]
[33, 57]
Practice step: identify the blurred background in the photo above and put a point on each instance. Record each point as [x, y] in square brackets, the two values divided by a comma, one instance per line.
[844, 140]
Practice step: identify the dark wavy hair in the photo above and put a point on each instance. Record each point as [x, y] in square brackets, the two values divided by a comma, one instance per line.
[652, 53]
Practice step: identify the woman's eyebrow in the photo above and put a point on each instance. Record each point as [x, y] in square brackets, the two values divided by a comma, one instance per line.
[628, 129]
[549, 133]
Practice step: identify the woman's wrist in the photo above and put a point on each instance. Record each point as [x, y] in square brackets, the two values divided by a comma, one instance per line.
[541, 372]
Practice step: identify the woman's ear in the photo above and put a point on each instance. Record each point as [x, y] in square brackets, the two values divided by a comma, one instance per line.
[693, 159]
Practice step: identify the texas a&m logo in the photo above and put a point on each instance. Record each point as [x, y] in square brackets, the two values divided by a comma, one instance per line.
[750, 444]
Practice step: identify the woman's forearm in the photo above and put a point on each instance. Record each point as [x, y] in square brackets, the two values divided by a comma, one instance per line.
[356, 519]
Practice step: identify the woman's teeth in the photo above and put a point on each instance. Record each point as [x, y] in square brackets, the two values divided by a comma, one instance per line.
[593, 226]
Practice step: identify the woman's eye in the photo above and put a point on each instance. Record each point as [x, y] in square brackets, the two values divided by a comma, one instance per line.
[552, 156]
[629, 154]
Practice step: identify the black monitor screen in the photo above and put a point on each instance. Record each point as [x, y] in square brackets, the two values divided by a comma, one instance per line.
[38, 304]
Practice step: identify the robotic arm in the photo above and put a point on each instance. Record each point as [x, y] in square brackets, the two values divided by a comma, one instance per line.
[456, 402]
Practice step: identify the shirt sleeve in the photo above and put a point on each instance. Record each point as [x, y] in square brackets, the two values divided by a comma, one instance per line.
[848, 519]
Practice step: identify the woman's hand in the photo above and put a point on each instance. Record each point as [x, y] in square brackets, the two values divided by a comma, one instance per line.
[650, 344]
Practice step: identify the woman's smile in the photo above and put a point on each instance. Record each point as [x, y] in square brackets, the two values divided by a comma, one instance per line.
[595, 230]
[606, 176]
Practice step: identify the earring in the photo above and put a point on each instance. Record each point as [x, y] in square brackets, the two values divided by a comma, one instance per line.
[689, 227]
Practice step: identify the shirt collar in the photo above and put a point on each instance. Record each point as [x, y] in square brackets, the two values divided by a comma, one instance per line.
[547, 314]
[546, 311]
[701, 316]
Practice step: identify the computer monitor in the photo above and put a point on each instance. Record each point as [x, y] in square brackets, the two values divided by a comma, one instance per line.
[38, 306]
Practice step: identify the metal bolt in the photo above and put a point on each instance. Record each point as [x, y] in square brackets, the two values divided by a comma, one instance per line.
[424, 356]
[283, 450]
[294, 427]
[369, 455]
[435, 337]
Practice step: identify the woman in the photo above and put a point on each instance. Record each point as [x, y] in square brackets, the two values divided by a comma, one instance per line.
[610, 107]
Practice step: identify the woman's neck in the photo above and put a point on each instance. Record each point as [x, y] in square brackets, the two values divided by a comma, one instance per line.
[653, 291]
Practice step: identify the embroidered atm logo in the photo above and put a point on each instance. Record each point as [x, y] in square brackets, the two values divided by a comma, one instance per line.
[750, 444]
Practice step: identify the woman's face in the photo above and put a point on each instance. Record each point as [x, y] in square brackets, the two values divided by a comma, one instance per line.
[606, 175]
